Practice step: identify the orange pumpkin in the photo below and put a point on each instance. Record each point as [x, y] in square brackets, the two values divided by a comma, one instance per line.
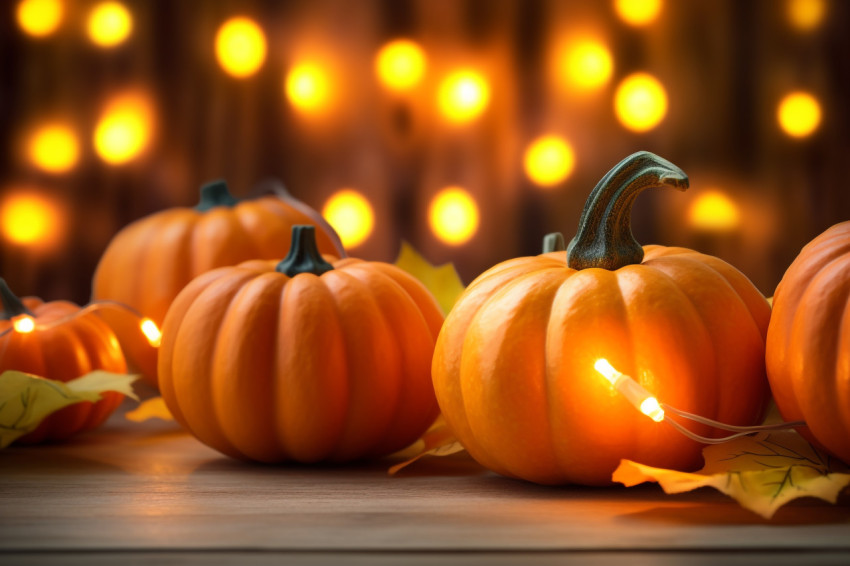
[60, 345]
[149, 261]
[514, 363]
[302, 360]
[808, 343]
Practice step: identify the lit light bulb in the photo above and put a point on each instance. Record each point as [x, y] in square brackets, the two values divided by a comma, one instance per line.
[638, 12]
[714, 211]
[124, 130]
[23, 324]
[151, 332]
[400, 65]
[39, 18]
[54, 148]
[109, 24]
[453, 216]
[307, 87]
[351, 216]
[240, 47]
[463, 96]
[549, 160]
[635, 393]
[640, 102]
[799, 114]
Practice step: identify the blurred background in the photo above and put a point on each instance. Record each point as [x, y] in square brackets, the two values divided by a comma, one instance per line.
[469, 128]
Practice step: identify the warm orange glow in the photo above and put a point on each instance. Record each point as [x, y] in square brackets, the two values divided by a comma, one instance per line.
[39, 18]
[714, 211]
[124, 130]
[587, 64]
[23, 324]
[400, 65]
[54, 148]
[640, 102]
[151, 332]
[308, 87]
[240, 47]
[631, 390]
[806, 15]
[799, 114]
[638, 12]
[29, 219]
[549, 160]
[463, 96]
[453, 216]
[652, 409]
[351, 215]
[110, 24]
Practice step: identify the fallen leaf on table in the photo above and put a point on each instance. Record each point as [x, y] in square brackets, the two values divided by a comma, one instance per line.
[438, 440]
[153, 408]
[26, 399]
[762, 472]
[443, 281]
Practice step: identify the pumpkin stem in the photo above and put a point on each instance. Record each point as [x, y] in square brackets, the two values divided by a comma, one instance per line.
[304, 256]
[554, 242]
[215, 193]
[12, 305]
[604, 238]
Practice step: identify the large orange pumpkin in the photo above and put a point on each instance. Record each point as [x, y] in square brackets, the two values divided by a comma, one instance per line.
[302, 360]
[514, 363]
[808, 342]
[149, 261]
[61, 344]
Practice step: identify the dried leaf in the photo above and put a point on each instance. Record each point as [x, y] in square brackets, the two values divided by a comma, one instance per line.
[443, 281]
[762, 472]
[438, 440]
[153, 408]
[25, 399]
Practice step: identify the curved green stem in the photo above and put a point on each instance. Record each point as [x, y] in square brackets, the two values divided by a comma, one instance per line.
[215, 193]
[604, 238]
[554, 242]
[12, 305]
[303, 256]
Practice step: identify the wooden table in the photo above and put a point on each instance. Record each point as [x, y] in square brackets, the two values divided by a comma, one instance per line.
[148, 493]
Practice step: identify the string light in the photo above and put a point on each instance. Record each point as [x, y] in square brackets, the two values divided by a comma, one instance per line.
[124, 129]
[640, 102]
[463, 96]
[400, 65]
[806, 15]
[54, 148]
[638, 12]
[549, 160]
[799, 114]
[151, 332]
[351, 216]
[110, 24]
[30, 219]
[307, 87]
[23, 324]
[714, 211]
[453, 216]
[39, 18]
[240, 47]
[647, 404]
[587, 64]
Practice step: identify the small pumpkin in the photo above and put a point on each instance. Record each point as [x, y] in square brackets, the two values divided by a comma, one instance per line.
[60, 344]
[514, 363]
[808, 345]
[149, 261]
[302, 360]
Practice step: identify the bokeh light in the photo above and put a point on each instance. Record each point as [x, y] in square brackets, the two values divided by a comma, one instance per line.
[453, 216]
[109, 24]
[463, 96]
[714, 211]
[806, 15]
[39, 18]
[400, 65]
[240, 47]
[351, 215]
[30, 219]
[638, 12]
[640, 102]
[799, 114]
[549, 160]
[54, 148]
[307, 87]
[124, 129]
[23, 324]
[586, 63]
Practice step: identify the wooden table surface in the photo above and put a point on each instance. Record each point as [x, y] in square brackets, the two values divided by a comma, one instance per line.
[134, 493]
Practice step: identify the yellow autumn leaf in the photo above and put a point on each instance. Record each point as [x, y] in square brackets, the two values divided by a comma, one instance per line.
[762, 472]
[438, 440]
[443, 281]
[25, 399]
[153, 408]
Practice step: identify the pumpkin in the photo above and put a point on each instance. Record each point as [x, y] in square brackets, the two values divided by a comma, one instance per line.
[514, 363]
[302, 360]
[149, 261]
[61, 344]
[808, 345]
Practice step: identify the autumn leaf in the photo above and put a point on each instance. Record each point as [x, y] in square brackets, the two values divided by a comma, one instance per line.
[443, 281]
[25, 399]
[762, 472]
[438, 440]
[153, 408]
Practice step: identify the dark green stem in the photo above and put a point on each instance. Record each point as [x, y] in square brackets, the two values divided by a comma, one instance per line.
[215, 193]
[554, 242]
[304, 256]
[604, 238]
[12, 305]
